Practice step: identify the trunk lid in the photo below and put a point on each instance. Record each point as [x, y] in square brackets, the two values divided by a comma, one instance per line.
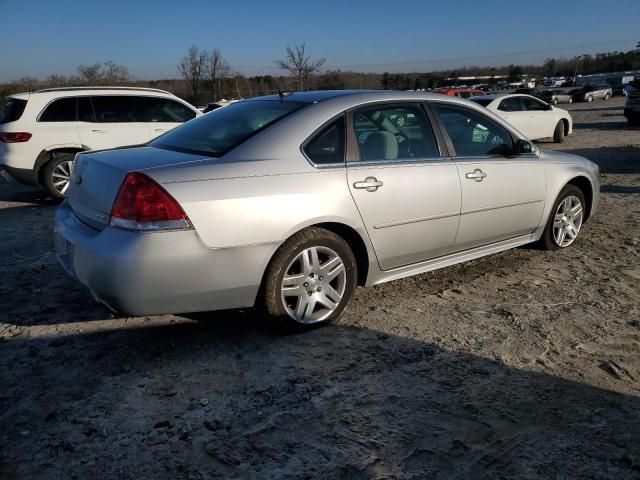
[97, 177]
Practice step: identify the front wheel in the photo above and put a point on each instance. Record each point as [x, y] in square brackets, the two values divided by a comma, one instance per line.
[57, 174]
[558, 133]
[606, 97]
[565, 220]
[310, 280]
[589, 98]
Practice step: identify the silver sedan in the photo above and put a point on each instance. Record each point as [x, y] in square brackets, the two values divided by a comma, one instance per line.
[289, 202]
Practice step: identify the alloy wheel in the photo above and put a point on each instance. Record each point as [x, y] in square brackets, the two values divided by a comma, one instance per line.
[313, 285]
[567, 221]
[61, 175]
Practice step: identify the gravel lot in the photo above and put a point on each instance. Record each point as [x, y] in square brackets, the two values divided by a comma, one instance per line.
[521, 365]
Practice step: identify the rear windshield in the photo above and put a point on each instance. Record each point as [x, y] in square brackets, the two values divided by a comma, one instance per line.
[218, 132]
[482, 101]
[12, 111]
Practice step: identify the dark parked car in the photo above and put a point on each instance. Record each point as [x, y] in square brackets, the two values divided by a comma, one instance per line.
[534, 92]
[632, 107]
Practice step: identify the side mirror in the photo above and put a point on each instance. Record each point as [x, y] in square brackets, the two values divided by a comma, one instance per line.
[522, 146]
[549, 106]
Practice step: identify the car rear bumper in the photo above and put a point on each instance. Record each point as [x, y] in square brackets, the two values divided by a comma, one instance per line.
[158, 273]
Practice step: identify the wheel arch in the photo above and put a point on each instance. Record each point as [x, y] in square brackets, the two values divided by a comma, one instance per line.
[356, 243]
[354, 239]
[47, 155]
[585, 186]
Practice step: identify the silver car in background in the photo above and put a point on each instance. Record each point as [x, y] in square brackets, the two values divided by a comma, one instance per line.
[288, 202]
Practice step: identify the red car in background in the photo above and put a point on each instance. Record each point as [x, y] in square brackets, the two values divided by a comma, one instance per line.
[460, 92]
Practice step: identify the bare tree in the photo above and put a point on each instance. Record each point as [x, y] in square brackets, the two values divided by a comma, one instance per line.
[192, 68]
[300, 65]
[90, 74]
[216, 70]
[56, 81]
[113, 73]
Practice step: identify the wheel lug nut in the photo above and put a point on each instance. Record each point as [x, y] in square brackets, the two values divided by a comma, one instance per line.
[320, 277]
[319, 289]
[305, 284]
[310, 293]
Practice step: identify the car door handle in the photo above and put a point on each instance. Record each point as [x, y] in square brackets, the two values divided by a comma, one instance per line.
[97, 130]
[477, 175]
[371, 184]
[161, 129]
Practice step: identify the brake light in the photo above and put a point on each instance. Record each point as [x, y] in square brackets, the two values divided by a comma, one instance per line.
[142, 204]
[15, 137]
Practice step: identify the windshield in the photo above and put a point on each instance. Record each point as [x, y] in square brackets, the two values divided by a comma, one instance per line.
[482, 101]
[217, 132]
[12, 111]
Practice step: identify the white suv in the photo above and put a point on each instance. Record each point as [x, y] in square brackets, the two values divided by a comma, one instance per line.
[41, 132]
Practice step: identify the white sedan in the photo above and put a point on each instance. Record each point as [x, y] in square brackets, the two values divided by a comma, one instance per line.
[533, 117]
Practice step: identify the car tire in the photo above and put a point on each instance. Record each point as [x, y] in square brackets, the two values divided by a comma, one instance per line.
[555, 101]
[606, 97]
[570, 100]
[558, 133]
[57, 174]
[314, 300]
[589, 98]
[573, 223]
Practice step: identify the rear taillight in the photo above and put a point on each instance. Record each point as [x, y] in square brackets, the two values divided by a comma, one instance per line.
[142, 204]
[15, 137]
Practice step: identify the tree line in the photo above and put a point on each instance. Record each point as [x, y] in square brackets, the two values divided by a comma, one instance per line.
[208, 76]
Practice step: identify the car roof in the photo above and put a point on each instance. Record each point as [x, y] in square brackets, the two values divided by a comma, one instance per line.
[356, 96]
[313, 97]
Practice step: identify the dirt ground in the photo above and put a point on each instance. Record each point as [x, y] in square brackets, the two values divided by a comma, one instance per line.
[523, 365]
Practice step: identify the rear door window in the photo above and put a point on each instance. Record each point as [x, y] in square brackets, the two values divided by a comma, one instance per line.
[85, 110]
[61, 110]
[511, 104]
[117, 109]
[163, 110]
[327, 146]
[394, 133]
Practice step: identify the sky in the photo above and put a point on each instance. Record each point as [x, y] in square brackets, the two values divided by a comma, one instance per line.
[40, 37]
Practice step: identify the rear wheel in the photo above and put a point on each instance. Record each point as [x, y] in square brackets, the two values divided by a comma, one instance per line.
[589, 98]
[310, 280]
[558, 133]
[57, 174]
[570, 99]
[565, 220]
[606, 97]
